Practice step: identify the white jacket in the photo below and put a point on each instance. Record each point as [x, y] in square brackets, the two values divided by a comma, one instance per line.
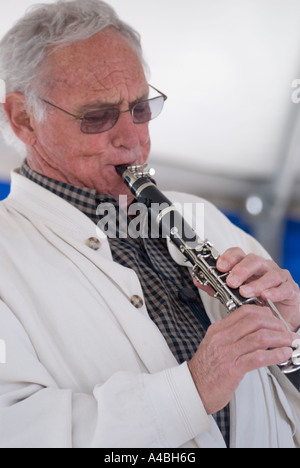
[84, 367]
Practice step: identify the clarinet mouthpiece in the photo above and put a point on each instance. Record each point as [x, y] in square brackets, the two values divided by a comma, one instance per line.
[121, 169]
[136, 171]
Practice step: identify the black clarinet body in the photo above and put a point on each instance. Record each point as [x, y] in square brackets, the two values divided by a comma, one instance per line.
[199, 253]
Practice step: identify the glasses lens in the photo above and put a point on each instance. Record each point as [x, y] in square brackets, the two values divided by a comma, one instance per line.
[147, 110]
[99, 121]
[103, 120]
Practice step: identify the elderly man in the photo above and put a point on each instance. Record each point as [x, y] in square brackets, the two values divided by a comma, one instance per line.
[102, 350]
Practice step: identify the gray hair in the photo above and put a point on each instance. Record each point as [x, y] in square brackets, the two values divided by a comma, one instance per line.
[43, 29]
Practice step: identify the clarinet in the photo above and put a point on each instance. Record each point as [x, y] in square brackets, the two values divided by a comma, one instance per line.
[201, 254]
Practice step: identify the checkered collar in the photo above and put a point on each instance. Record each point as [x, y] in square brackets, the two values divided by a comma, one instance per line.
[84, 199]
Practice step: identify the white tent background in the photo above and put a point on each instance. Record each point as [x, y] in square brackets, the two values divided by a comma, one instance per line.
[230, 127]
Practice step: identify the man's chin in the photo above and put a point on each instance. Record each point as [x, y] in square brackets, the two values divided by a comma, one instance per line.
[122, 194]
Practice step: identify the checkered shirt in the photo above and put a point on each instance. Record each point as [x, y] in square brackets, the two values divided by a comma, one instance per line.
[182, 323]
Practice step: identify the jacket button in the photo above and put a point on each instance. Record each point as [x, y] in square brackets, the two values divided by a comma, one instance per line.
[137, 302]
[93, 243]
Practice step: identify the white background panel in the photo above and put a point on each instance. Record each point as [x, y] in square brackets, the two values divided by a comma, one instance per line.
[227, 67]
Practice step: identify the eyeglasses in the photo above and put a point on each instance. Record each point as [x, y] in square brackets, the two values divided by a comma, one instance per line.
[101, 121]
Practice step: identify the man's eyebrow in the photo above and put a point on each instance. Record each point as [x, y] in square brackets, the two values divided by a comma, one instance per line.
[99, 105]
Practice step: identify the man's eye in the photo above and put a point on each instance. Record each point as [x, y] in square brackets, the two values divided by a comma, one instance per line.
[99, 116]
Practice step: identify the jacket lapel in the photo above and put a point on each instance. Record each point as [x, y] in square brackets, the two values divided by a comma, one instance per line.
[68, 230]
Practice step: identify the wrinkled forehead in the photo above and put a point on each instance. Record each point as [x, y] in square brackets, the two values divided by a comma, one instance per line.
[106, 65]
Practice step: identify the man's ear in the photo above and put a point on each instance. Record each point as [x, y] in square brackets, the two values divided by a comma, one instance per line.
[16, 110]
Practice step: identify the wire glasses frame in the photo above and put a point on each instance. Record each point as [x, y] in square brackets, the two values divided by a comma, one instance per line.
[102, 120]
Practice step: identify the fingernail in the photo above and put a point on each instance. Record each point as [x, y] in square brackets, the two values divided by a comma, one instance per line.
[223, 265]
[234, 281]
[247, 291]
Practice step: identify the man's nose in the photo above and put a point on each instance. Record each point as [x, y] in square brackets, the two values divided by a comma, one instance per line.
[125, 132]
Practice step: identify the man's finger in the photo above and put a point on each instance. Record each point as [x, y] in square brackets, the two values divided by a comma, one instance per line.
[230, 258]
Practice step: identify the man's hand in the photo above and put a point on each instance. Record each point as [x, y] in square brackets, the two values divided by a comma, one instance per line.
[251, 337]
[248, 339]
[257, 277]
